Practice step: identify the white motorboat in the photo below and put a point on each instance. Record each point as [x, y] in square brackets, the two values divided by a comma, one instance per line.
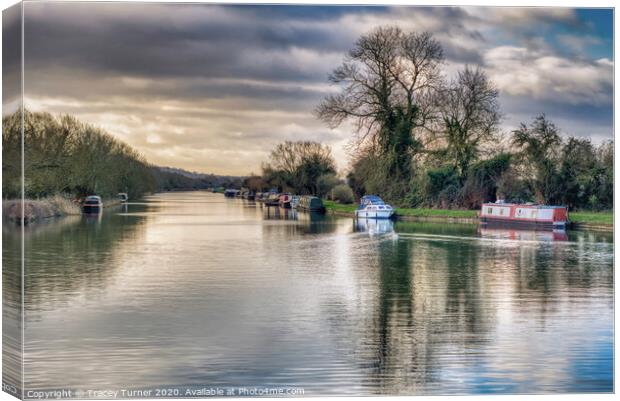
[373, 207]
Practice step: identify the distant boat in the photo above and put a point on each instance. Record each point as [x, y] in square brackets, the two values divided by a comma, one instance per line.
[92, 204]
[272, 200]
[519, 215]
[295, 201]
[285, 201]
[122, 196]
[311, 204]
[230, 193]
[373, 207]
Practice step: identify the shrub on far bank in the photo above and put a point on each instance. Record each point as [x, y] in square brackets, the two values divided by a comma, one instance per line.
[343, 194]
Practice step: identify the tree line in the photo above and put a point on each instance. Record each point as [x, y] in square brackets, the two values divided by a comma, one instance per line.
[421, 140]
[63, 155]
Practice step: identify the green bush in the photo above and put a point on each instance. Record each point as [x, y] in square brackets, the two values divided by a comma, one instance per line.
[343, 194]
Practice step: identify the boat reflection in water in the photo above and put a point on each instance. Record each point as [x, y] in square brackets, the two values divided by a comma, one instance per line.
[523, 235]
[92, 218]
[374, 227]
[279, 213]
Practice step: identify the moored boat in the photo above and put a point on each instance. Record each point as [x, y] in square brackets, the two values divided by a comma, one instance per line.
[524, 215]
[230, 193]
[373, 207]
[285, 201]
[92, 204]
[272, 200]
[295, 201]
[310, 203]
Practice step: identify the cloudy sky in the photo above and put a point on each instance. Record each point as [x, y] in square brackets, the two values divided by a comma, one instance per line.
[213, 88]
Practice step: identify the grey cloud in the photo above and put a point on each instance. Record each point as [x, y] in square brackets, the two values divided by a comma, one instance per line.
[165, 40]
[585, 120]
[213, 88]
[11, 58]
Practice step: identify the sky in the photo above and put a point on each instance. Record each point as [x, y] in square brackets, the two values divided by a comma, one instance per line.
[213, 88]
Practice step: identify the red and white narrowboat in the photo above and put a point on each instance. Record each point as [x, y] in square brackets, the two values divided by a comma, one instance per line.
[524, 215]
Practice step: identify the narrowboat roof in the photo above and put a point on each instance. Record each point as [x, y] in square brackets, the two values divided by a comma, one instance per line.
[532, 205]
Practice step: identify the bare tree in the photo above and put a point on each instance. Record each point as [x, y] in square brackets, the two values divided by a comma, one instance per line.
[387, 81]
[289, 156]
[300, 166]
[470, 115]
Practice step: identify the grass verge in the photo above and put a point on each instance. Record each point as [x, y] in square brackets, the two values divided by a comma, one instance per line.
[595, 218]
[421, 212]
[417, 212]
[337, 207]
[604, 218]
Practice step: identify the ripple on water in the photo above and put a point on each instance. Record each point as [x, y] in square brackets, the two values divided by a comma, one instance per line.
[192, 289]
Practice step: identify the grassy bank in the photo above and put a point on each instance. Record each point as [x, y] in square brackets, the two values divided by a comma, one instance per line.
[450, 213]
[598, 218]
[580, 218]
[416, 212]
[337, 207]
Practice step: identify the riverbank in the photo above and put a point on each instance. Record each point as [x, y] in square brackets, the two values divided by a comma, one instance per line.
[45, 208]
[592, 220]
[580, 220]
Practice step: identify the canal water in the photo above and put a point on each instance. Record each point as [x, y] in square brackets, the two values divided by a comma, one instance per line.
[193, 290]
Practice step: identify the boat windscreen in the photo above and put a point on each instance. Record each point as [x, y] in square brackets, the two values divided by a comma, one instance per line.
[372, 199]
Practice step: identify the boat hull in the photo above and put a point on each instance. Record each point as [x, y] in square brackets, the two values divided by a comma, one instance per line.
[92, 209]
[374, 214]
[525, 216]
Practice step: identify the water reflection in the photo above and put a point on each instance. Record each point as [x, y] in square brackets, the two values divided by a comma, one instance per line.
[79, 256]
[523, 235]
[11, 308]
[374, 227]
[194, 289]
[278, 213]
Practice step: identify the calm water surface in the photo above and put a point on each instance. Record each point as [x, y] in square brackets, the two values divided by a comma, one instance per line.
[192, 290]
